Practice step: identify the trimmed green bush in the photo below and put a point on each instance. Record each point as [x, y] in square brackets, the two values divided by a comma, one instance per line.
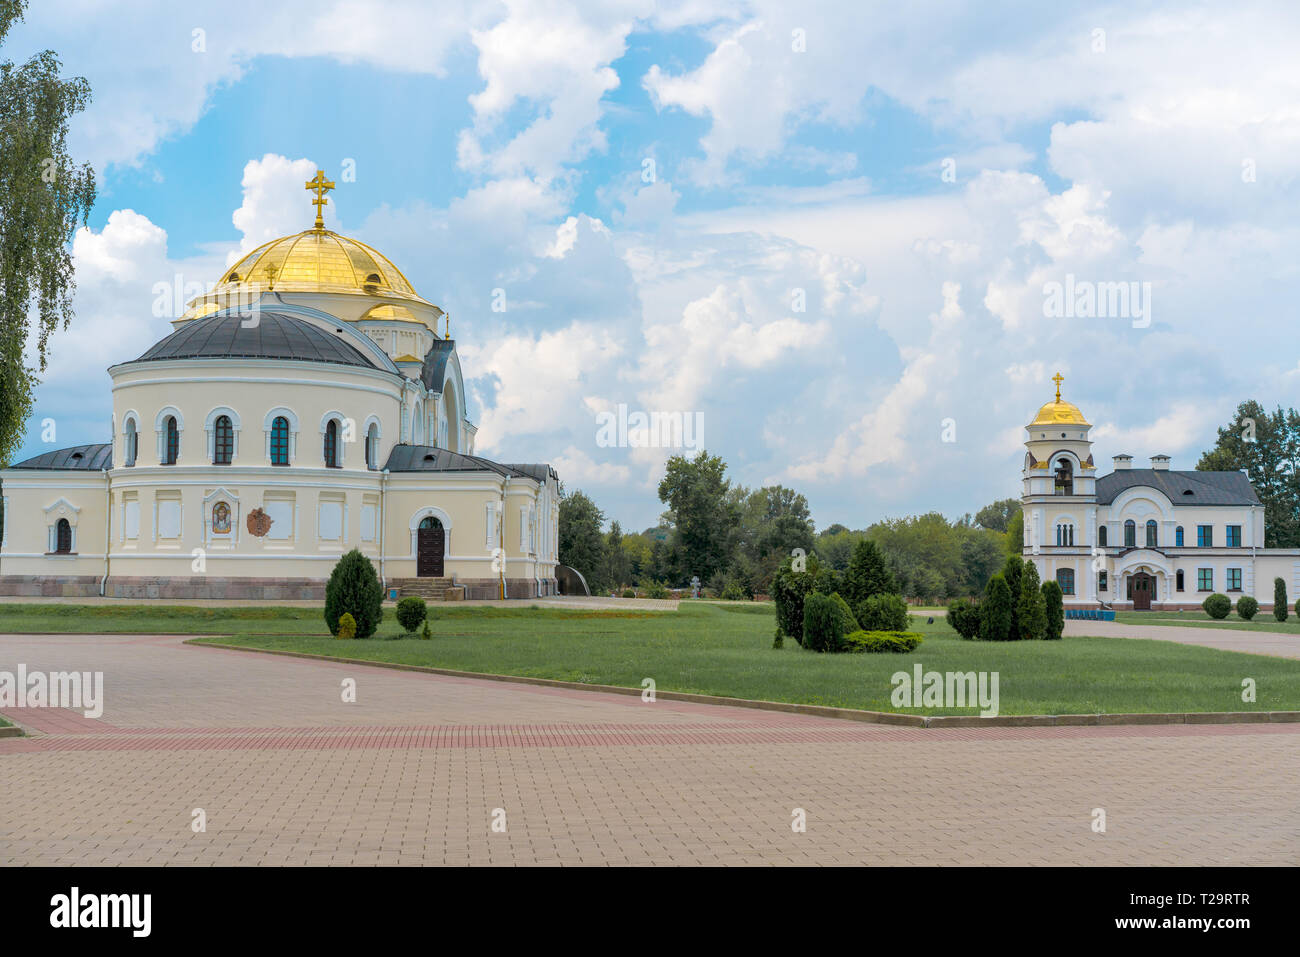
[1279, 600]
[882, 613]
[354, 589]
[964, 617]
[426, 634]
[411, 611]
[656, 590]
[876, 642]
[1217, 606]
[629, 593]
[847, 619]
[823, 623]
[995, 610]
[1031, 611]
[1054, 610]
[1247, 607]
[347, 626]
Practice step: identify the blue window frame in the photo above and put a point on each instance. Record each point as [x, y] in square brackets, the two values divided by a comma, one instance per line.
[1234, 579]
[1178, 536]
[1204, 536]
[1205, 579]
[1234, 536]
[1130, 534]
[1065, 578]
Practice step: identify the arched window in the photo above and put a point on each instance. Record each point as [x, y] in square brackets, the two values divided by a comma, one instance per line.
[1101, 536]
[1065, 534]
[1151, 533]
[332, 444]
[280, 441]
[1178, 577]
[1178, 538]
[430, 522]
[63, 537]
[372, 447]
[1065, 578]
[1130, 534]
[171, 445]
[223, 441]
[131, 443]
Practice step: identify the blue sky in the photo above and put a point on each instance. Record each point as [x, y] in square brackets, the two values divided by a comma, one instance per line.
[798, 152]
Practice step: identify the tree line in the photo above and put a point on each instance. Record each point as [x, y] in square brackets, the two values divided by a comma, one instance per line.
[734, 539]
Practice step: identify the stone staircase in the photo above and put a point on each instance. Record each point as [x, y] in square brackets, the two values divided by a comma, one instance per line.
[430, 589]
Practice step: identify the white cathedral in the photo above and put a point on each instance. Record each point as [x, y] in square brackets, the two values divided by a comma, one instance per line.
[1141, 538]
[305, 406]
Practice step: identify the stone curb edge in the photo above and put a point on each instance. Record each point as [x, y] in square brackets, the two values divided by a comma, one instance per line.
[11, 731]
[821, 711]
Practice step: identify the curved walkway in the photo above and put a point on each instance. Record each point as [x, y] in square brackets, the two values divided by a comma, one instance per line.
[418, 767]
[1278, 644]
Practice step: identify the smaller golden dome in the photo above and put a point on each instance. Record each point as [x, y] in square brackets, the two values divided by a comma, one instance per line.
[1059, 413]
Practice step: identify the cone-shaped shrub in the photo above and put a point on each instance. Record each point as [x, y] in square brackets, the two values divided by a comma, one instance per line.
[1279, 599]
[354, 589]
[995, 610]
[1031, 614]
[1054, 609]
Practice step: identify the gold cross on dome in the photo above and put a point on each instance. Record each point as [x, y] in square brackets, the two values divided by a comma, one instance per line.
[320, 186]
[1058, 379]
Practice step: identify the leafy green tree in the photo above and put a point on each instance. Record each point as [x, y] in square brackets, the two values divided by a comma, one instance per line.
[1267, 446]
[703, 516]
[789, 589]
[618, 565]
[43, 196]
[582, 546]
[1014, 543]
[1031, 615]
[996, 516]
[1054, 605]
[995, 611]
[835, 546]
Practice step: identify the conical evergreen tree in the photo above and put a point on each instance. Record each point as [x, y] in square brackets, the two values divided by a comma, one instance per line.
[868, 573]
[1032, 614]
[995, 611]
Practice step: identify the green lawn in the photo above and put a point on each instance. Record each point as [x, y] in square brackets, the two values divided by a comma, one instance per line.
[1199, 619]
[726, 650]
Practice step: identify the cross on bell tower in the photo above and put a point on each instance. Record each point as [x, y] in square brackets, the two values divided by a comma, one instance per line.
[1058, 379]
[320, 186]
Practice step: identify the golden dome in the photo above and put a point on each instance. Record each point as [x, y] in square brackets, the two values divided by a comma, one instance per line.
[1059, 413]
[318, 260]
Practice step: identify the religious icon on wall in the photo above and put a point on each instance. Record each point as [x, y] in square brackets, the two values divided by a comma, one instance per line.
[221, 518]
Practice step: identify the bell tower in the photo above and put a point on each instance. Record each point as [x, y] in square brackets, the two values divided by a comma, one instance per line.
[1058, 474]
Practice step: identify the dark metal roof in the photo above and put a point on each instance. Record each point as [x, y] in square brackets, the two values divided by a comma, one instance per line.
[88, 457]
[426, 458]
[274, 336]
[1181, 488]
[435, 363]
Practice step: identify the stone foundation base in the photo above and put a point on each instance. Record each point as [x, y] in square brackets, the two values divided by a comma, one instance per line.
[41, 586]
[230, 589]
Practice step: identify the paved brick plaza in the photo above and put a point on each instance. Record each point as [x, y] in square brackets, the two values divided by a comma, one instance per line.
[411, 773]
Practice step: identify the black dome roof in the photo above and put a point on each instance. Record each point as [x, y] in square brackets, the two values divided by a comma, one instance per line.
[273, 336]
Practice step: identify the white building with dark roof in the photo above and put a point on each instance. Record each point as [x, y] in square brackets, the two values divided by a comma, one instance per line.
[1141, 538]
[308, 405]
